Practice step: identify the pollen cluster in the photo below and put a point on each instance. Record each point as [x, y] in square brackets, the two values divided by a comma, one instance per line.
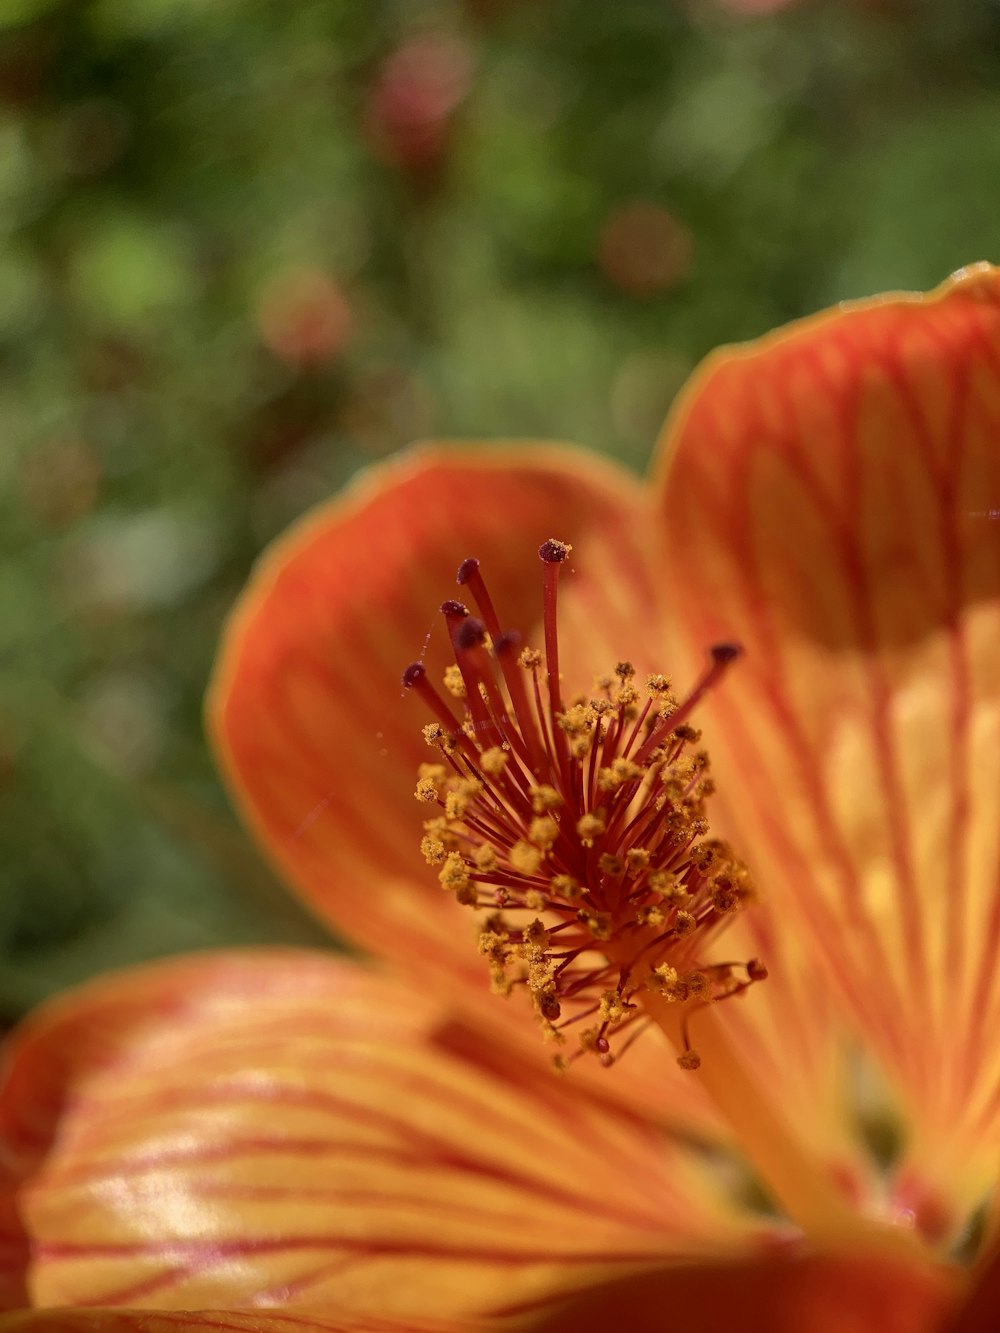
[576, 829]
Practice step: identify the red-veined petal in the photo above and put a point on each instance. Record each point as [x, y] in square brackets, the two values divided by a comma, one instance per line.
[815, 1294]
[222, 1321]
[830, 496]
[282, 1129]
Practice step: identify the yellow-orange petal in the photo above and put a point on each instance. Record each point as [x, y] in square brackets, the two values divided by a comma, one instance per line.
[830, 496]
[327, 1320]
[318, 740]
[814, 1294]
[279, 1128]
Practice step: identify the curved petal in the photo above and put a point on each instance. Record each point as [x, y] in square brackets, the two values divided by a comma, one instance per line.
[327, 1320]
[823, 1294]
[221, 1321]
[830, 496]
[978, 1312]
[321, 745]
[281, 1128]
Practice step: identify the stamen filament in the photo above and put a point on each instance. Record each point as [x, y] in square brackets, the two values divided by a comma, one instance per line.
[794, 1178]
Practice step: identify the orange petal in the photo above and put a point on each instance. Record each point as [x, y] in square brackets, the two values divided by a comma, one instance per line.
[280, 1128]
[221, 1321]
[830, 496]
[819, 1294]
[978, 1312]
[328, 1320]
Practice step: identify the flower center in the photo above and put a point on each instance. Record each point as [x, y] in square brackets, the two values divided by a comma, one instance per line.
[578, 828]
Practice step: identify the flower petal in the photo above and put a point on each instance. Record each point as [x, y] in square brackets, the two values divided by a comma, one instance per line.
[830, 496]
[221, 1321]
[327, 1320]
[821, 1294]
[280, 1128]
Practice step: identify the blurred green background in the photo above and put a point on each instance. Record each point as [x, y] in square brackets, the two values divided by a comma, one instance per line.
[248, 247]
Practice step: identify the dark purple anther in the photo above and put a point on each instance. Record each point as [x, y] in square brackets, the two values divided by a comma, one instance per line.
[470, 633]
[508, 642]
[553, 552]
[724, 653]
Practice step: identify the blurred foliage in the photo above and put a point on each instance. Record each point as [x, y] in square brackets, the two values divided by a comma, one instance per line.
[248, 247]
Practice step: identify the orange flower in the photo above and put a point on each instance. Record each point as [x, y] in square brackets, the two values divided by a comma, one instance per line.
[325, 1144]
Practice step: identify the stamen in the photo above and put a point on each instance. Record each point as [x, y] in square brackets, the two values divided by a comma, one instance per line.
[580, 828]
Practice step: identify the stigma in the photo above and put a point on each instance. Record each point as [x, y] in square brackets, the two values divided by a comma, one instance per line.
[576, 827]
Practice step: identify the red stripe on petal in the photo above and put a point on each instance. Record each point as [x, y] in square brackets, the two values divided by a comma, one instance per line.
[820, 1294]
[282, 1128]
[832, 496]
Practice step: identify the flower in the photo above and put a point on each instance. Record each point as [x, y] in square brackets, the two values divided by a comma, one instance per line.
[382, 1142]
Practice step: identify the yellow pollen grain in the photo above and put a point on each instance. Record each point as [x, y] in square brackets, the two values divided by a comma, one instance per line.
[434, 734]
[628, 697]
[454, 875]
[611, 865]
[577, 720]
[650, 916]
[485, 858]
[456, 802]
[590, 827]
[530, 659]
[726, 896]
[708, 853]
[617, 774]
[432, 850]
[543, 831]
[494, 944]
[598, 923]
[535, 901]
[684, 924]
[565, 886]
[698, 985]
[624, 670]
[426, 790]
[525, 858]
[612, 1007]
[535, 937]
[664, 980]
[544, 799]
[657, 684]
[453, 682]
[668, 886]
[493, 761]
